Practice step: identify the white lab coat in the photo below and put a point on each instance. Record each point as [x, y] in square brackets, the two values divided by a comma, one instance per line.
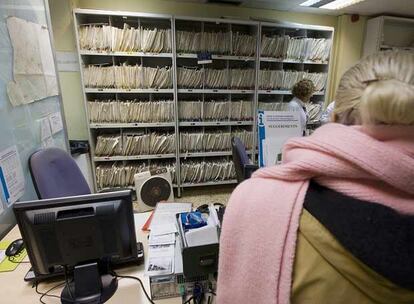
[297, 105]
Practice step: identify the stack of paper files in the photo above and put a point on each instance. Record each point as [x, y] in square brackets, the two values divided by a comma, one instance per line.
[127, 77]
[243, 44]
[188, 42]
[216, 110]
[241, 110]
[127, 111]
[213, 141]
[190, 110]
[135, 144]
[162, 239]
[314, 111]
[213, 110]
[190, 77]
[207, 171]
[285, 80]
[296, 48]
[128, 39]
[216, 43]
[122, 175]
[242, 78]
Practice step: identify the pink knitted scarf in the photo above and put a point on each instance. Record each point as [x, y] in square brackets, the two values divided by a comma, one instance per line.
[258, 240]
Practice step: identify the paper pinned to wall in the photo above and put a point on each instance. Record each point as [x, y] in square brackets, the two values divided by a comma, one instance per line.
[33, 64]
[48, 143]
[56, 123]
[45, 130]
[11, 175]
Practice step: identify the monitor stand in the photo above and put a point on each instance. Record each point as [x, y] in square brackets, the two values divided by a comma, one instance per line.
[89, 286]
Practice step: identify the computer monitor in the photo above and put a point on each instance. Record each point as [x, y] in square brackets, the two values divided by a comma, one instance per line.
[82, 233]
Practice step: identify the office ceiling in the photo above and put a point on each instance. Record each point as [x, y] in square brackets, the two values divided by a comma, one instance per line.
[367, 7]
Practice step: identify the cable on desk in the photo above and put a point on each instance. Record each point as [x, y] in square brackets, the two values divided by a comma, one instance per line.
[46, 294]
[67, 282]
[137, 279]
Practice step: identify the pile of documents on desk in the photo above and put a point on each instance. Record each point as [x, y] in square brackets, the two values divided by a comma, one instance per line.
[207, 171]
[135, 144]
[127, 39]
[162, 243]
[127, 77]
[118, 174]
[127, 111]
[213, 141]
[215, 110]
[285, 80]
[296, 48]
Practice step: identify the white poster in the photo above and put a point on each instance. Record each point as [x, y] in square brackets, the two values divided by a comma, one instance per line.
[33, 65]
[274, 129]
[11, 175]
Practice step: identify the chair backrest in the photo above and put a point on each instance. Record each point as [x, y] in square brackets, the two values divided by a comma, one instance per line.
[240, 158]
[55, 174]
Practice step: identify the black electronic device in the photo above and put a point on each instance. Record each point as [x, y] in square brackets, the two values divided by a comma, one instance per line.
[15, 248]
[84, 234]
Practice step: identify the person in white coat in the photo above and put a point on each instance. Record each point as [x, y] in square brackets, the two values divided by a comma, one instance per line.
[302, 91]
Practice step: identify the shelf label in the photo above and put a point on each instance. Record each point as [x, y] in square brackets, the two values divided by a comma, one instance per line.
[189, 90]
[215, 90]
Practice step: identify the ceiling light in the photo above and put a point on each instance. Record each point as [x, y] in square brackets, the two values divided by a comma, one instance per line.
[338, 4]
[310, 2]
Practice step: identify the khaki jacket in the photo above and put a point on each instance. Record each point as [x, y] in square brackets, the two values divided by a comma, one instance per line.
[324, 272]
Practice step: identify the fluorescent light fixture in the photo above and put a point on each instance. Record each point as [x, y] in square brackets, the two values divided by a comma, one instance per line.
[338, 4]
[310, 2]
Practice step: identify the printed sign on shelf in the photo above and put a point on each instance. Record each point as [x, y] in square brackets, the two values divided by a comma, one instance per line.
[274, 129]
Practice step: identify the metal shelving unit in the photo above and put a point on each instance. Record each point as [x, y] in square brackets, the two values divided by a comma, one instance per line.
[176, 58]
[296, 31]
[84, 17]
[388, 33]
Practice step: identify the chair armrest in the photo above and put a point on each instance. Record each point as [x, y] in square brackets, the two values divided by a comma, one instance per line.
[248, 170]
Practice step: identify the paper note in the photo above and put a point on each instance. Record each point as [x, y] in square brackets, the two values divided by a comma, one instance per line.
[48, 143]
[56, 124]
[45, 131]
[163, 220]
[163, 239]
[11, 175]
[33, 66]
[160, 260]
[2, 255]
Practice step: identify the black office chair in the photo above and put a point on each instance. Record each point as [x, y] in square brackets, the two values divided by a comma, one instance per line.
[55, 174]
[244, 168]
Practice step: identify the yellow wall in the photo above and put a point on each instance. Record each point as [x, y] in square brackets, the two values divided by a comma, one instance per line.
[347, 41]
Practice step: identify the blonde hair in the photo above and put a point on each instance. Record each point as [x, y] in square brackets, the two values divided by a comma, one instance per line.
[303, 89]
[378, 90]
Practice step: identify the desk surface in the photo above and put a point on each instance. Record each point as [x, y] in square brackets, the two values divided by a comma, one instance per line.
[13, 289]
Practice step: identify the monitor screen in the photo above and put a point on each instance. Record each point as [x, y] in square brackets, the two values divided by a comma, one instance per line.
[73, 230]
